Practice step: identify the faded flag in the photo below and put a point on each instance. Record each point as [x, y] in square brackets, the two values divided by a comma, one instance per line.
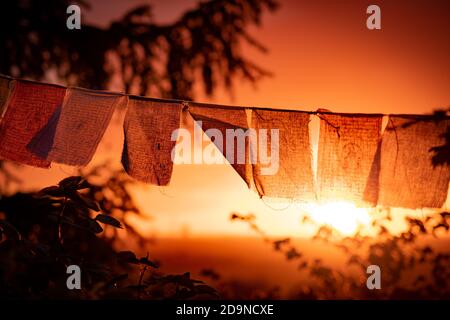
[148, 129]
[76, 128]
[347, 149]
[29, 109]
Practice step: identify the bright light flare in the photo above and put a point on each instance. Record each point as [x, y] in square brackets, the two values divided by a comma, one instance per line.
[342, 216]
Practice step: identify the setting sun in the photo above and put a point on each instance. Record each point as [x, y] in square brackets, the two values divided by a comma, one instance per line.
[341, 215]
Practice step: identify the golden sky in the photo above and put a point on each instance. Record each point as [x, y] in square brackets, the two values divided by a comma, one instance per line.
[322, 54]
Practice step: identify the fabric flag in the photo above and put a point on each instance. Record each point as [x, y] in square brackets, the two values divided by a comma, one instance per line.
[6, 87]
[283, 168]
[407, 177]
[29, 109]
[232, 124]
[75, 130]
[148, 144]
[347, 148]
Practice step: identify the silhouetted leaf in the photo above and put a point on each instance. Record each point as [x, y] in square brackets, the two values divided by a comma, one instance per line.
[103, 218]
[84, 201]
[83, 185]
[418, 223]
[127, 256]
[278, 243]
[442, 225]
[210, 273]
[445, 214]
[293, 254]
[149, 263]
[53, 191]
[70, 183]
[93, 226]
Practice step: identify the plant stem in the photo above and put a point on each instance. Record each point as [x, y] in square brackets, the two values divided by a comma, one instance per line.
[59, 239]
[141, 277]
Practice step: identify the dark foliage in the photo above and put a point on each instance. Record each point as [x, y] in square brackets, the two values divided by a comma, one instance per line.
[411, 269]
[202, 46]
[43, 233]
[441, 154]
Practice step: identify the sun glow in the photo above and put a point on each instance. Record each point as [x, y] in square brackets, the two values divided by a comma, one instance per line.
[341, 215]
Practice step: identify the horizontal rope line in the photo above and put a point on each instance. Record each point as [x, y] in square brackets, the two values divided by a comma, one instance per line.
[223, 106]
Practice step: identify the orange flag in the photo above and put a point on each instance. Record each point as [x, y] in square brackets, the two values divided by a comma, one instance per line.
[29, 109]
[147, 149]
[283, 168]
[406, 176]
[75, 130]
[347, 150]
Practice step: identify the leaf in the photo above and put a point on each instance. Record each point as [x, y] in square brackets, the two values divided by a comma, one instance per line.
[210, 273]
[444, 226]
[94, 227]
[293, 254]
[278, 243]
[83, 185]
[53, 191]
[70, 183]
[237, 216]
[149, 263]
[84, 201]
[445, 214]
[185, 280]
[130, 257]
[103, 218]
[127, 256]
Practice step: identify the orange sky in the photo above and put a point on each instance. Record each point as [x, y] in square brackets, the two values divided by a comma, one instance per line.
[322, 55]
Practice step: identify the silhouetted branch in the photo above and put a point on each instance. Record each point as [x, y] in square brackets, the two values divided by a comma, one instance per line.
[203, 46]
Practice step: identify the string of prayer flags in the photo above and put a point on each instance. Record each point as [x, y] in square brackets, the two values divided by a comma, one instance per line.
[405, 166]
